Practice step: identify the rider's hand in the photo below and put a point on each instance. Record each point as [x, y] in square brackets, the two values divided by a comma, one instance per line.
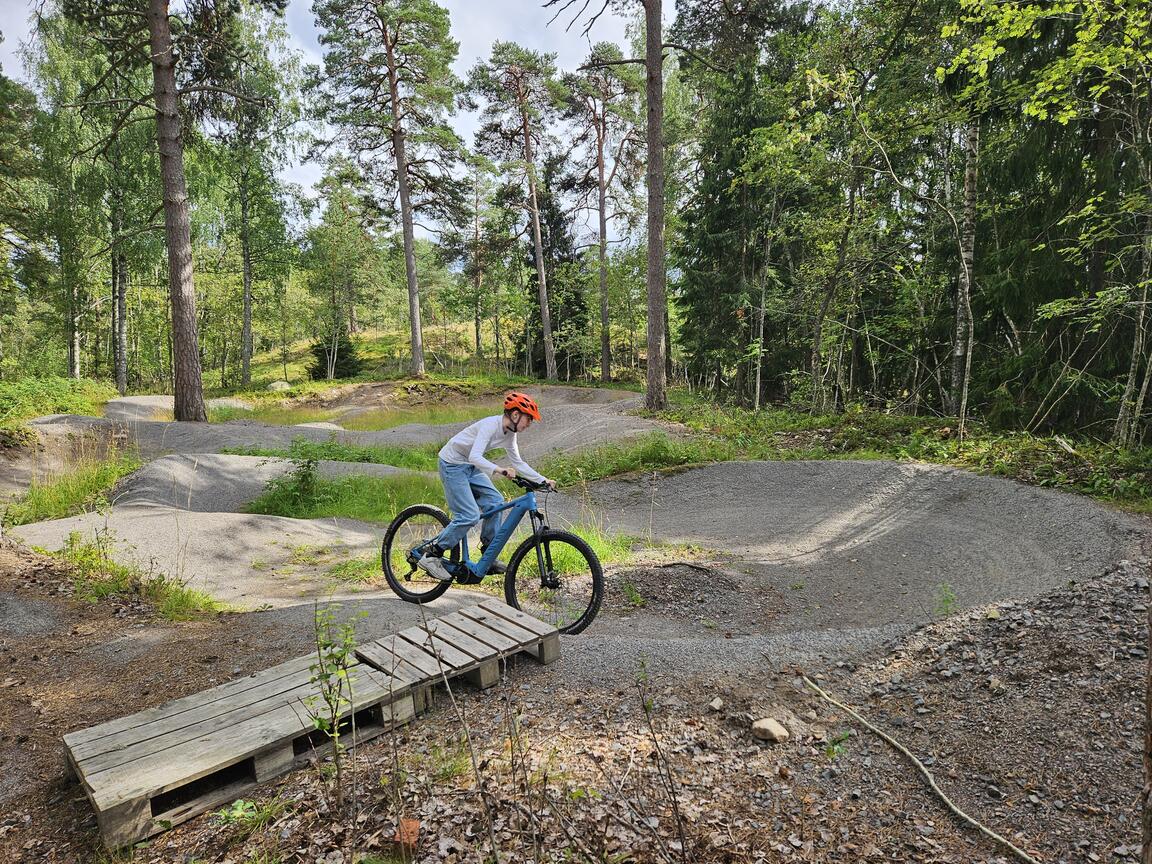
[510, 473]
[551, 484]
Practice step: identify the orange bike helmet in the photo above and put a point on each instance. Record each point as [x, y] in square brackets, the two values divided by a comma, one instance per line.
[522, 403]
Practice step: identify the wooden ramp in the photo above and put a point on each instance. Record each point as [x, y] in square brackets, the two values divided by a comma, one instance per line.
[149, 771]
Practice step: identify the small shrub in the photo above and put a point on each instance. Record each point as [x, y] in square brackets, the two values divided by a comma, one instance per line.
[339, 360]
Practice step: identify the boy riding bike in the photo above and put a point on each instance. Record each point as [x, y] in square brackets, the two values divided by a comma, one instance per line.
[465, 471]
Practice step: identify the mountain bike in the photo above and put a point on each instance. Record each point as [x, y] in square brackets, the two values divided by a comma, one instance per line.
[553, 575]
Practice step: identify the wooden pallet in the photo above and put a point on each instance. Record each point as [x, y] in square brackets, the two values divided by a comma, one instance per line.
[470, 643]
[149, 771]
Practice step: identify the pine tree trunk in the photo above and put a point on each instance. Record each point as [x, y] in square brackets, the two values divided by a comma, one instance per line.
[187, 384]
[602, 202]
[961, 346]
[246, 267]
[656, 398]
[537, 242]
[417, 338]
[477, 265]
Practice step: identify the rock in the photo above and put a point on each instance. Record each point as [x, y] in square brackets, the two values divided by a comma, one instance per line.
[767, 729]
[716, 704]
[811, 716]
[279, 386]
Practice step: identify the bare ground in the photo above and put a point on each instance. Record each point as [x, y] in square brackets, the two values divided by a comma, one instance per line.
[1028, 713]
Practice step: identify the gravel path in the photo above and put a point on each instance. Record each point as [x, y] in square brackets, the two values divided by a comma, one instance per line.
[820, 559]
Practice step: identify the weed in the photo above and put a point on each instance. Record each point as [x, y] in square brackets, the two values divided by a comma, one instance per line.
[82, 488]
[249, 816]
[633, 595]
[36, 397]
[309, 556]
[835, 747]
[797, 586]
[96, 577]
[335, 655]
[356, 570]
[946, 600]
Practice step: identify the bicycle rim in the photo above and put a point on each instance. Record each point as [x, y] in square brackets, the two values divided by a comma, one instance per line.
[567, 591]
[410, 529]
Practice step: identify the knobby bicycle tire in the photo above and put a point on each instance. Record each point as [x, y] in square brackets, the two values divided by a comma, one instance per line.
[397, 581]
[523, 590]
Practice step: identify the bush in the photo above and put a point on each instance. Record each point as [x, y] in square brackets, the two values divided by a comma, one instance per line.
[347, 362]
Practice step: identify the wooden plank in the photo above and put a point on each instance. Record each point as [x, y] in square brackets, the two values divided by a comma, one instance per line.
[453, 658]
[505, 611]
[486, 635]
[418, 658]
[216, 749]
[173, 738]
[282, 690]
[186, 703]
[380, 657]
[502, 625]
[459, 638]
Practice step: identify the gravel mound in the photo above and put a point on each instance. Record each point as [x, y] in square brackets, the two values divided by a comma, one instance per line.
[159, 407]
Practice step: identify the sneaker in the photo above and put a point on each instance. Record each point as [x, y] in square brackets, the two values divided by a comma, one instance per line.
[498, 567]
[434, 566]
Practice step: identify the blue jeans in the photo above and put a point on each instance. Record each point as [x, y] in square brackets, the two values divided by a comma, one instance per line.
[469, 491]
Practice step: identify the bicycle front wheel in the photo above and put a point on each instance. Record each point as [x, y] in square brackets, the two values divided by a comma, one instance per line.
[557, 578]
[410, 530]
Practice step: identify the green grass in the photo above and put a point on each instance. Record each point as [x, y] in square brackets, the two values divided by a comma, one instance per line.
[36, 397]
[388, 418]
[27, 398]
[275, 415]
[96, 577]
[83, 487]
[724, 433]
[303, 495]
[357, 571]
[416, 457]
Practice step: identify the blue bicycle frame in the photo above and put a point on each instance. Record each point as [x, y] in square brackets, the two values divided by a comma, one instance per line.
[518, 507]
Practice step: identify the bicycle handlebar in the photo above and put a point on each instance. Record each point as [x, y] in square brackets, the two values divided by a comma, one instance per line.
[531, 485]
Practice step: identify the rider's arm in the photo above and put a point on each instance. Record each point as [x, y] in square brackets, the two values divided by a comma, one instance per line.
[483, 444]
[522, 468]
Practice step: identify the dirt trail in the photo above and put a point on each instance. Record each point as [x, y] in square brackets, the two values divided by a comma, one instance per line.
[803, 559]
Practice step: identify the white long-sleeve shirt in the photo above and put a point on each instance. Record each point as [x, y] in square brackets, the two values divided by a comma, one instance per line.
[470, 445]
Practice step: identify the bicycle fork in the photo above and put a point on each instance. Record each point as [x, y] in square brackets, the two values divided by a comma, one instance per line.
[548, 577]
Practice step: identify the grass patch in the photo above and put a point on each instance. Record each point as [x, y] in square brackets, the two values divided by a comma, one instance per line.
[82, 488]
[724, 434]
[389, 418]
[96, 577]
[358, 571]
[419, 457]
[301, 494]
[35, 397]
[28, 398]
[274, 415]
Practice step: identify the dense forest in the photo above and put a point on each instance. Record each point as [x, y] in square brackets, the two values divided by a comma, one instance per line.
[937, 207]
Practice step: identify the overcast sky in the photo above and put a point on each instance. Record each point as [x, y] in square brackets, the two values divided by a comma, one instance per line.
[476, 24]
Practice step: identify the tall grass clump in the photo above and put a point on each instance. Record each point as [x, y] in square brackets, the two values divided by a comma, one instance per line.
[415, 457]
[82, 488]
[302, 494]
[96, 577]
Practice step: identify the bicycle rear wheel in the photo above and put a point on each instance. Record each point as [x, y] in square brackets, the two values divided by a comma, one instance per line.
[412, 528]
[566, 591]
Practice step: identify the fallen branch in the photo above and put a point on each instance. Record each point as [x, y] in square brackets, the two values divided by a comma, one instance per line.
[987, 832]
